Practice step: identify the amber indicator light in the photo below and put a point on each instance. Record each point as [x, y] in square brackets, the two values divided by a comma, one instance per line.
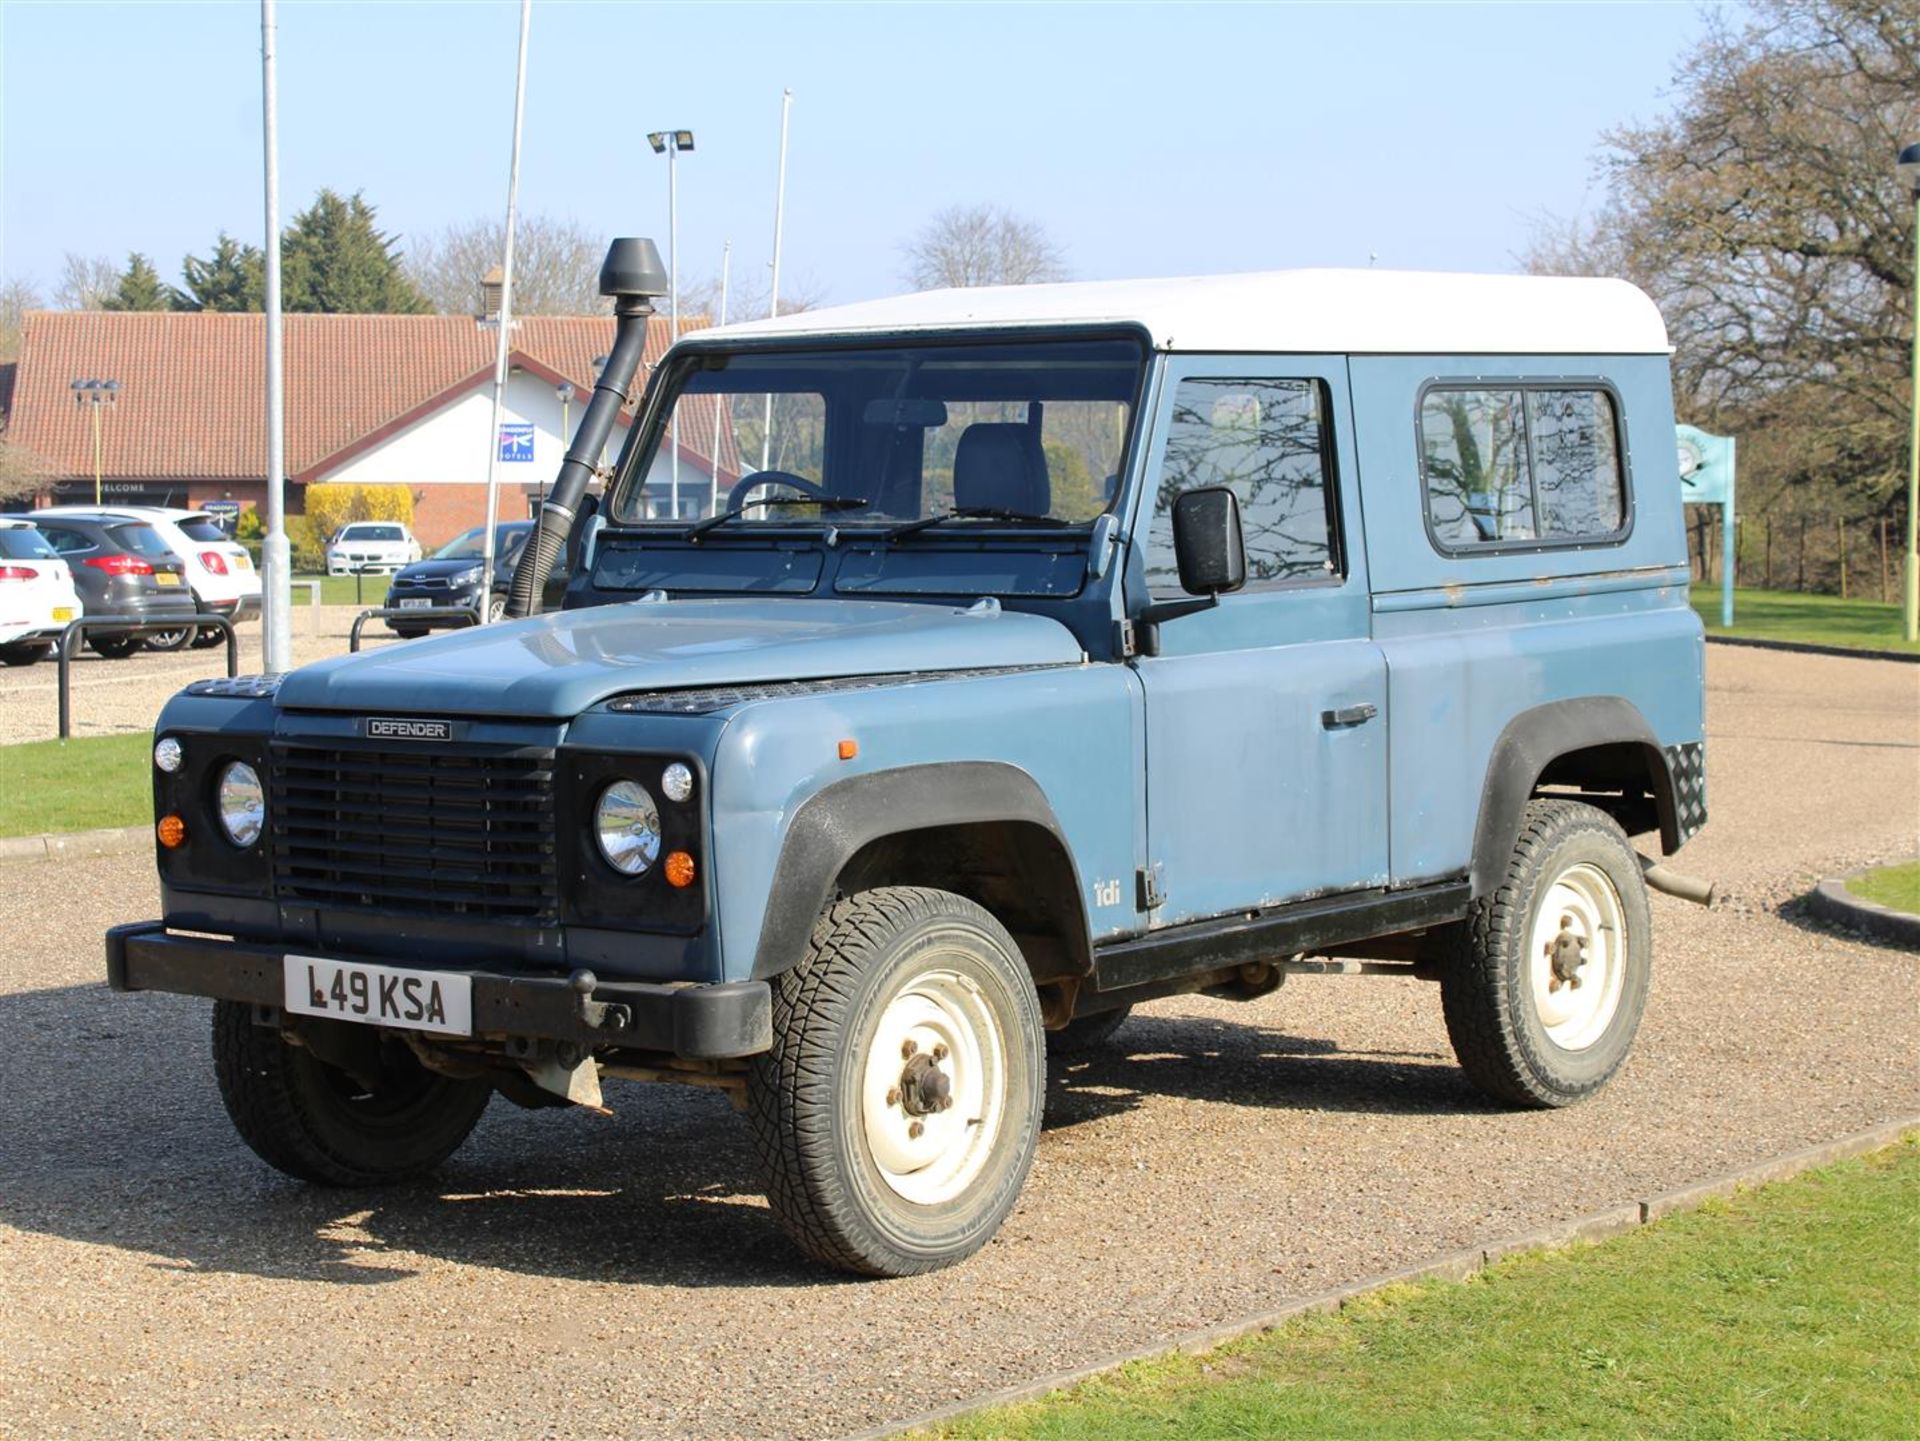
[679, 870]
[849, 749]
[172, 831]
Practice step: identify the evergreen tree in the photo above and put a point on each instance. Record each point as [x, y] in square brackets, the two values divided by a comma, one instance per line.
[232, 278]
[141, 288]
[337, 262]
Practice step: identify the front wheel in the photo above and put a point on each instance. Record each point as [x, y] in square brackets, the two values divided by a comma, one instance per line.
[1545, 981]
[169, 640]
[898, 1112]
[114, 647]
[390, 1120]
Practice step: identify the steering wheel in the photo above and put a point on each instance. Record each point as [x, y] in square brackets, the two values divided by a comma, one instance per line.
[775, 477]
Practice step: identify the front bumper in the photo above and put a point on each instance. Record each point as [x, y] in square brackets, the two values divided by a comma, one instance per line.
[699, 1022]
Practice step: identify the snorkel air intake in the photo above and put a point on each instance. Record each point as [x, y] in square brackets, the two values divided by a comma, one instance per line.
[634, 277]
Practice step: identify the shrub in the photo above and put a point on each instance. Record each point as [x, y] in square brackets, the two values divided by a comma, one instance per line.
[330, 506]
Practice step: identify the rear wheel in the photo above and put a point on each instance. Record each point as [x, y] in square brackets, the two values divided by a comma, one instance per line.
[898, 1111]
[25, 653]
[391, 1120]
[166, 640]
[1545, 981]
[207, 638]
[114, 647]
[496, 609]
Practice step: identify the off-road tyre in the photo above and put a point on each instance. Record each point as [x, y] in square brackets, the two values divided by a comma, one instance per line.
[868, 962]
[1086, 1033]
[1487, 986]
[306, 1118]
[25, 654]
[113, 647]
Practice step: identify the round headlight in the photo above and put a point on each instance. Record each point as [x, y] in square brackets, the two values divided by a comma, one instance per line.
[626, 824]
[240, 803]
[677, 781]
[166, 755]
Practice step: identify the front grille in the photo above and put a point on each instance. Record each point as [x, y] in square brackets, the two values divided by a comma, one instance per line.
[423, 832]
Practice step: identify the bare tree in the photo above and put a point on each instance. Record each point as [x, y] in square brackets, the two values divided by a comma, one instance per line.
[17, 297]
[981, 245]
[556, 266]
[1765, 217]
[86, 282]
[22, 473]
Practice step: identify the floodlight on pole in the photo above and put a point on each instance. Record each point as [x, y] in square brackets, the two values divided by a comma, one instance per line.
[1909, 171]
[773, 294]
[670, 143]
[92, 395]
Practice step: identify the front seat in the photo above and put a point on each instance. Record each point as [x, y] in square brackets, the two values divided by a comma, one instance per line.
[1000, 466]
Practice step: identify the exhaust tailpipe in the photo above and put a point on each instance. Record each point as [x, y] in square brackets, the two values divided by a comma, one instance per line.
[1672, 883]
[633, 275]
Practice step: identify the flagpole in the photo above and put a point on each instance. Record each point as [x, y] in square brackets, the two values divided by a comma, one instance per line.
[276, 598]
[506, 321]
[779, 224]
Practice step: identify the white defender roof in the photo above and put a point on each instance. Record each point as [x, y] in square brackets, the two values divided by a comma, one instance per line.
[1316, 312]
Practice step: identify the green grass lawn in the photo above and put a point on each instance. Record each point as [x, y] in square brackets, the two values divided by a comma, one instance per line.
[75, 785]
[1896, 887]
[1811, 619]
[339, 589]
[1789, 1311]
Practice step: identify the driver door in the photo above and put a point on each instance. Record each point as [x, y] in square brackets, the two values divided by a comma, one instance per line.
[1266, 714]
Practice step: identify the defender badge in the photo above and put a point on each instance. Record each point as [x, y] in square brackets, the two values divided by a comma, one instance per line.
[392, 728]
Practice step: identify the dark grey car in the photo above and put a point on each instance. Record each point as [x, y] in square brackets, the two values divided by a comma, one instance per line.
[123, 567]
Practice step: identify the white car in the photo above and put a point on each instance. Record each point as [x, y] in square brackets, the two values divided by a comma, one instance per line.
[37, 598]
[371, 545]
[219, 568]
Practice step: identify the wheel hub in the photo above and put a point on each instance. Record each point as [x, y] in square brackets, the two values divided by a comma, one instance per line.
[925, 1088]
[1566, 953]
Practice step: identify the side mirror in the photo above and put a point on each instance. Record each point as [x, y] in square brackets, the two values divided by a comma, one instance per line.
[1208, 546]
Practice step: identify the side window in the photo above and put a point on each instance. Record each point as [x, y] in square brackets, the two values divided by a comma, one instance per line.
[1268, 441]
[67, 542]
[1520, 463]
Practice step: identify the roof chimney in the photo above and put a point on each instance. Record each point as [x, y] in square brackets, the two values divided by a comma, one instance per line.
[490, 287]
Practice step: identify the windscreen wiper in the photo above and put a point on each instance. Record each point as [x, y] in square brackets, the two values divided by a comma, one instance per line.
[971, 512]
[823, 502]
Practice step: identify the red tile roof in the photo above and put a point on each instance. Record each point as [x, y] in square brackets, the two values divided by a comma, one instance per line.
[191, 402]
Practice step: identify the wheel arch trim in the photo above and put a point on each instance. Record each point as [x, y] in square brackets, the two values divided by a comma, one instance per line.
[836, 823]
[1534, 740]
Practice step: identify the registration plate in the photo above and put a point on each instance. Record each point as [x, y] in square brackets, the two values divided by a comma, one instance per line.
[63, 612]
[380, 995]
[416, 603]
[166, 577]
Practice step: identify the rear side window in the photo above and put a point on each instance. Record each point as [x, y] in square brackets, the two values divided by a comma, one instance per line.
[1519, 464]
[67, 542]
[199, 527]
[23, 543]
[1267, 441]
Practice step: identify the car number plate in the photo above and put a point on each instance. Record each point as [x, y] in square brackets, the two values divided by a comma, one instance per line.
[63, 612]
[166, 577]
[416, 603]
[380, 995]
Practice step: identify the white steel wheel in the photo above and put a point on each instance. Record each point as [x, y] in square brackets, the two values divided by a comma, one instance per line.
[1577, 961]
[898, 1111]
[935, 1091]
[1545, 981]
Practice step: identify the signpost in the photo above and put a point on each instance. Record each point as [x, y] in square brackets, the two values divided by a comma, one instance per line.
[1706, 478]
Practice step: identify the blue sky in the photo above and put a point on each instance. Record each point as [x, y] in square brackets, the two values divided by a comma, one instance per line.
[1148, 140]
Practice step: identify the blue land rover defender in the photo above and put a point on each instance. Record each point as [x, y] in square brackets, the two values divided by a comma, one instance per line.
[940, 677]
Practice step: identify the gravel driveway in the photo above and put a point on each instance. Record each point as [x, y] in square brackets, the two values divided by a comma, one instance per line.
[112, 696]
[576, 1276]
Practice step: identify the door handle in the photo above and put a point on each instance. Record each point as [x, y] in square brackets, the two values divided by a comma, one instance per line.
[1351, 715]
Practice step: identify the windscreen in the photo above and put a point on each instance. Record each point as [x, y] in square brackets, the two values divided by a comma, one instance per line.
[507, 539]
[24, 543]
[995, 431]
[372, 532]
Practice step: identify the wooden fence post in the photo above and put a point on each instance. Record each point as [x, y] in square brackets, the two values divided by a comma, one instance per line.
[1841, 526]
[1766, 527]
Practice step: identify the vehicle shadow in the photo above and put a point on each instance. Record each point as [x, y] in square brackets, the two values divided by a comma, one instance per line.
[114, 1133]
